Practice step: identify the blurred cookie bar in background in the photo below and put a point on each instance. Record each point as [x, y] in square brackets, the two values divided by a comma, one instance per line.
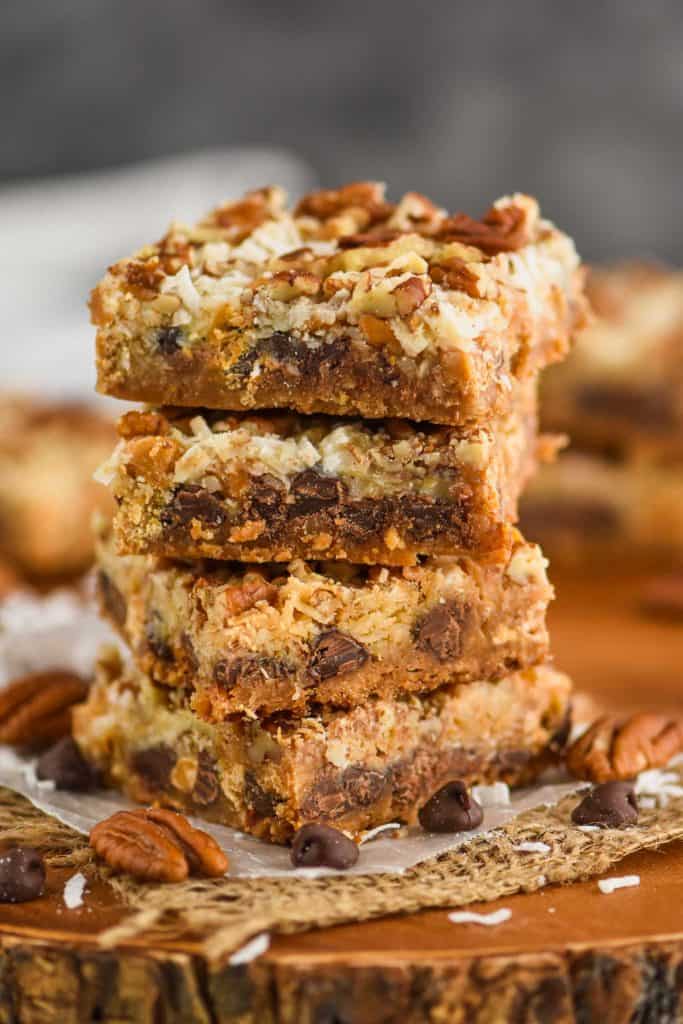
[618, 489]
[48, 453]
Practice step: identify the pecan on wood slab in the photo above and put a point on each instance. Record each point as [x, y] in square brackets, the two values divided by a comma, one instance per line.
[35, 709]
[617, 749]
[156, 845]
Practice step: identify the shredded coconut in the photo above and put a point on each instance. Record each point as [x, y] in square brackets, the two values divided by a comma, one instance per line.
[73, 891]
[470, 917]
[661, 785]
[251, 950]
[609, 885]
[496, 795]
[372, 832]
[532, 848]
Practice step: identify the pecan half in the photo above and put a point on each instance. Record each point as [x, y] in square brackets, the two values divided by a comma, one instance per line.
[35, 710]
[614, 749]
[156, 845]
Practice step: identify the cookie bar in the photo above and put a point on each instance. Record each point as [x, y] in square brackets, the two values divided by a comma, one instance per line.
[622, 388]
[279, 486]
[48, 454]
[586, 507]
[260, 639]
[349, 305]
[354, 769]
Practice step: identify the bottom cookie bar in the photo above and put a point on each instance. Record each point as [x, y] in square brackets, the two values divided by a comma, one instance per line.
[354, 769]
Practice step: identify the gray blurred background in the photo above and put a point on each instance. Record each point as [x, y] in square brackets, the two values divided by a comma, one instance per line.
[579, 103]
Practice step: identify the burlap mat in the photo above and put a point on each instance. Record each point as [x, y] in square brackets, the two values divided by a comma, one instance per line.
[225, 913]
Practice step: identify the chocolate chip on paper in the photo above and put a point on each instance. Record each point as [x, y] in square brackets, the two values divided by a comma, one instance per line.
[320, 846]
[22, 875]
[610, 805]
[65, 765]
[451, 809]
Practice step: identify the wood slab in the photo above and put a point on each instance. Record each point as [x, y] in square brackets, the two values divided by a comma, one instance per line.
[567, 953]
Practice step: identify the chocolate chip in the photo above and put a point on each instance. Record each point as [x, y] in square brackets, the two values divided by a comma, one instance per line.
[335, 654]
[279, 344]
[258, 799]
[362, 518]
[249, 670]
[154, 638]
[206, 788]
[316, 846]
[22, 875]
[611, 805]
[154, 765]
[311, 492]
[440, 631]
[192, 502]
[65, 765]
[113, 601]
[451, 809]
[266, 493]
[168, 340]
[363, 786]
[428, 518]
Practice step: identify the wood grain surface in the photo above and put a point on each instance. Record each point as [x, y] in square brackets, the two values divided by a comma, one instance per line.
[566, 954]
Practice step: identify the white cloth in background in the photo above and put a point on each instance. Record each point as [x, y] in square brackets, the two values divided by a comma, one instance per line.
[59, 235]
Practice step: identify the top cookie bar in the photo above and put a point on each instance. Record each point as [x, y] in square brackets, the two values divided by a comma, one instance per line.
[348, 305]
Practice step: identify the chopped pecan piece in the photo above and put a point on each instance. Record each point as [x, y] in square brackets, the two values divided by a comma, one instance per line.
[255, 588]
[335, 654]
[367, 195]
[614, 749]
[499, 230]
[138, 423]
[410, 294]
[35, 710]
[157, 845]
[144, 277]
[240, 218]
[375, 238]
[456, 275]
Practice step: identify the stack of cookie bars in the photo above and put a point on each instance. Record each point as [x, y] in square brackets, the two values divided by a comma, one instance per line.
[314, 559]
